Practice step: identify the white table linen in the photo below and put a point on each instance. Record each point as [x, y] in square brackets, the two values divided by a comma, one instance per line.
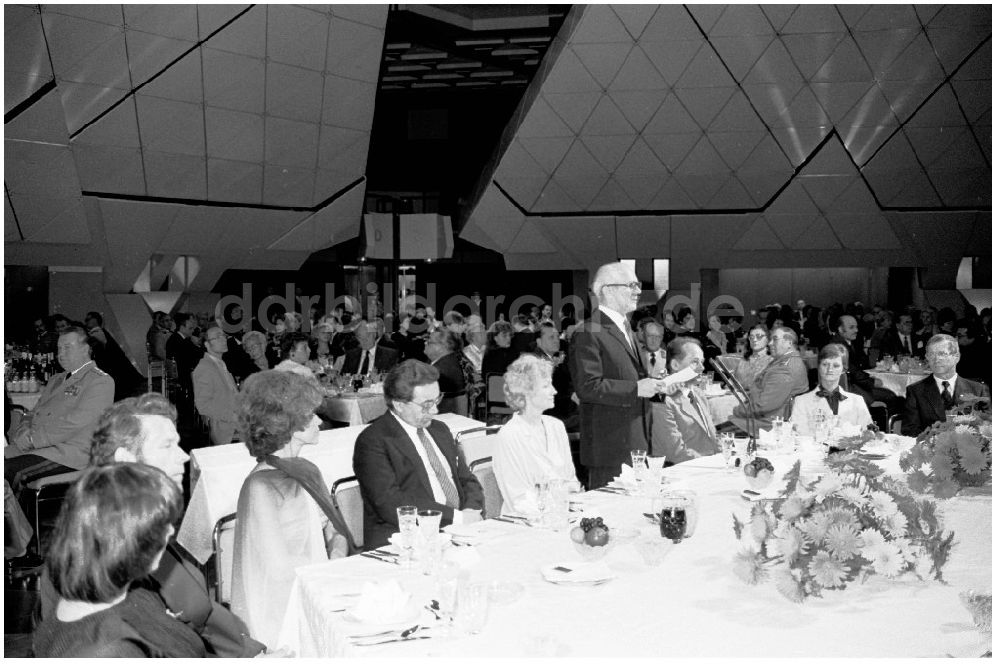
[722, 406]
[26, 400]
[692, 605]
[894, 381]
[218, 473]
[354, 408]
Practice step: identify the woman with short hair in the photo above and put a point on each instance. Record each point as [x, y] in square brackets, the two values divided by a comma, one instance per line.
[531, 447]
[111, 533]
[295, 355]
[828, 397]
[499, 354]
[285, 517]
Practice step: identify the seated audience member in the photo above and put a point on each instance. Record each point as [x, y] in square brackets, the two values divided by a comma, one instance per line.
[523, 339]
[772, 391]
[368, 358]
[321, 338]
[929, 400]
[885, 323]
[112, 531]
[756, 357]
[499, 353]
[682, 425]
[858, 380]
[474, 350]
[111, 359]
[716, 336]
[293, 321]
[406, 457]
[928, 325]
[215, 390]
[295, 355]
[285, 517]
[563, 408]
[45, 338]
[946, 320]
[974, 362]
[143, 429]
[454, 322]
[382, 327]
[900, 341]
[248, 357]
[687, 325]
[54, 437]
[531, 447]
[442, 350]
[828, 398]
[651, 351]
[546, 315]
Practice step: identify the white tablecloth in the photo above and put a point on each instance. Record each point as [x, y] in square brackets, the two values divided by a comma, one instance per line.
[721, 406]
[220, 471]
[690, 606]
[26, 400]
[354, 408]
[896, 382]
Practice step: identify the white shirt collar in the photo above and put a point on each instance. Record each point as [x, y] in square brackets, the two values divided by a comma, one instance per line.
[70, 374]
[618, 319]
[951, 383]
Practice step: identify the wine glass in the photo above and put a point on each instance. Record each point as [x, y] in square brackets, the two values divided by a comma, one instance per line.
[727, 441]
[408, 533]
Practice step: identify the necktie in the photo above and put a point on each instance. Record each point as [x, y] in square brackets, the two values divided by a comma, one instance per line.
[946, 395]
[906, 344]
[652, 360]
[833, 398]
[450, 492]
[364, 363]
[697, 409]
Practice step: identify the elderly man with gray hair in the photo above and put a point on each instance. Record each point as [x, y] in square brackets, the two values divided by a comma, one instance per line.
[610, 377]
[929, 400]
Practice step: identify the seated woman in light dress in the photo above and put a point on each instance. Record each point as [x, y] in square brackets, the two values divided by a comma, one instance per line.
[829, 398]
[285, 516]
[756, 358]
[531, 447]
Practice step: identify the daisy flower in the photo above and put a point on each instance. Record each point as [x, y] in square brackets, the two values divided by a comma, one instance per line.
[792, 508]
[986, 430]
[815, 527]
[882, 504]
[789, 545]
[973, 460]
[843, 542]
[758, 527]
[895, 523]
[888, 561]
[788, 585]
[828, 485]
[852, 494]
[748, 567]
[827, 572]
[871, 539]
[837, 515]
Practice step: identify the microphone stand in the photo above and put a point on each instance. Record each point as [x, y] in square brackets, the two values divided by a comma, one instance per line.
[743, 398]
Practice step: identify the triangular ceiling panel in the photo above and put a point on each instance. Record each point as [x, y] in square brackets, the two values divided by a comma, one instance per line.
[638, 106]
[530, 240]
[573, 107]
[759, 237]
[818, 236]
[634, 17]
[548, 153]
[863, 231]
[600, 25]
[603, 61]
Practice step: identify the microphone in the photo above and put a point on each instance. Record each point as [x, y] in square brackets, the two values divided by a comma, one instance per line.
[744, 399]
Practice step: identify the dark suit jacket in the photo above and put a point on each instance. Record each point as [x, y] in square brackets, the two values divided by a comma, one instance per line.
[605, 372]
[391, 474]
[891, 346]
[385, 359]
[859, 381]
[924, 405]
[187, 356]
[564, 408]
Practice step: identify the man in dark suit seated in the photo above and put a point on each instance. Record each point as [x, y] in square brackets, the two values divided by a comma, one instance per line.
[143, 429]
[406, 457]
[368, 358]
[442, 349]
[929, 400]
[899, 340]
[858, 380]
[682, 426]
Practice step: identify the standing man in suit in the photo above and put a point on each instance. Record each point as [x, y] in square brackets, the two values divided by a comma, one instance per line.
[368, 358]
[928, 400]
[215, 390]
[54, 437]
[682, 423]
[406, 457]
[185, 353]
[609, 378]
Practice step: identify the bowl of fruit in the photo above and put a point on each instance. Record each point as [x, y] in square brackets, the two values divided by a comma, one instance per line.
[759, 473]
[592, 539]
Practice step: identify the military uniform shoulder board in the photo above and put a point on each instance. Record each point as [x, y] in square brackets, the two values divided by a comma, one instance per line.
[97, 370]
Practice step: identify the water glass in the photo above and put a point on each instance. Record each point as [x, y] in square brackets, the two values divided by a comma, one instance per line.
[407, 516]
[557, 512]
[727, 442]
[691, 499]
[429, 523]
[449, 579]
[638, 460]
[472, 607]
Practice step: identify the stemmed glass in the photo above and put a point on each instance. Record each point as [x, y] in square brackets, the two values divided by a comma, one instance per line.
[821, 427]
[727, 441]
[408, 533]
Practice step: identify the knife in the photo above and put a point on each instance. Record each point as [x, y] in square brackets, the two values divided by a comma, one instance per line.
[395, 640]
[374, 556]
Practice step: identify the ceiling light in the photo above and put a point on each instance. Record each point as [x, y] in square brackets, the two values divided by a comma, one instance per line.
[429, 85]
[399, 78]
[514, 51]
[425, 55]
[479, 42]
[398, 46]
[408, 68]
[491, 74]
[529, 40]
[476, 83]
[459, 65]
[441, 77]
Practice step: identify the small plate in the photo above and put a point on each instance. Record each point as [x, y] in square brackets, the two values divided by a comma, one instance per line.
[407, 618]
[600, 574]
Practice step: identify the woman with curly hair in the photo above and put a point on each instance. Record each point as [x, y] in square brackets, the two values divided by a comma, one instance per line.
[114, 526]
[285, 517]
[531, 447]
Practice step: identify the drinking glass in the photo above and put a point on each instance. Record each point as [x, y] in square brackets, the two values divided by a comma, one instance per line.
[555, 516]
[407, 516]
[673, 518]
[472, 607]
[638, 459]
[727, 441]
[820, 427]
[449, 579]
[538, 503]
[429, 522]
[574, 498]
[691, 510]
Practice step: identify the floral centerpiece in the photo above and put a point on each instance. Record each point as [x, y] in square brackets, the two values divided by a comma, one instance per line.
[846, 525]
[953, 454]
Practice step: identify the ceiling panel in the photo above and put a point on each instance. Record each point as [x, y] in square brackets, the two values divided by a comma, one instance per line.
[26, 60]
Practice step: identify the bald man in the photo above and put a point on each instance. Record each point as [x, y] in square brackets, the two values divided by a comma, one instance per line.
[610, 378]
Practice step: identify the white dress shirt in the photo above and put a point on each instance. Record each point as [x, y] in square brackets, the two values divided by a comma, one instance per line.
[619, 320]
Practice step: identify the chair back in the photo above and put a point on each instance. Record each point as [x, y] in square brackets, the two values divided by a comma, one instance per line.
[483, 470]
[475, 444]
[222, 553]
[347, 498]
[497, 410]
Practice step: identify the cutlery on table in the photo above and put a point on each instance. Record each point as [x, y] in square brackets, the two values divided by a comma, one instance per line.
[506, 519]
[393, 640]
[374, 556]
[394, 632]
[607, 489]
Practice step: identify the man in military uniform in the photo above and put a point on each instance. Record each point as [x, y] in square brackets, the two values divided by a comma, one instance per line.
[55, 436]
[773, 389]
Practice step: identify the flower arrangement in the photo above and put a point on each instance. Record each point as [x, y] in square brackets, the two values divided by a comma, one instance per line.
[849, 524]
[953, 454]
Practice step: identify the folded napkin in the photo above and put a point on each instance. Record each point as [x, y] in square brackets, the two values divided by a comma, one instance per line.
[627, 478]
[382, 602]
[579, 572]
[478, 532]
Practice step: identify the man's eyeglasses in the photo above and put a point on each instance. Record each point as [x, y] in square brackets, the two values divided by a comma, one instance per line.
[758, 336]
[634, 285]
[429, 405]
[940, 354]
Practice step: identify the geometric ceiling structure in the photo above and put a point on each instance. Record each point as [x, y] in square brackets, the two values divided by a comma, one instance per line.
[786, 127]
[254, 112]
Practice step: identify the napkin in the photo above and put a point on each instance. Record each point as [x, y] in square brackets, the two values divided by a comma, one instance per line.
[627, 478]
[478, 532]
[381, 602]
[579, 572]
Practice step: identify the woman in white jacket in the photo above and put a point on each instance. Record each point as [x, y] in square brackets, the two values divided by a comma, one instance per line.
[829, 398]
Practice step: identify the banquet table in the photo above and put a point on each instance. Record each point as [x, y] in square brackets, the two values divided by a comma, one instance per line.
[721, 406]
[26, 400]
[218, 472]
[896, 381]
[353, 407]
[690, 605]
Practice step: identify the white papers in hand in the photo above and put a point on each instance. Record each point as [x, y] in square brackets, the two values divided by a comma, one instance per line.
[682, 376]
